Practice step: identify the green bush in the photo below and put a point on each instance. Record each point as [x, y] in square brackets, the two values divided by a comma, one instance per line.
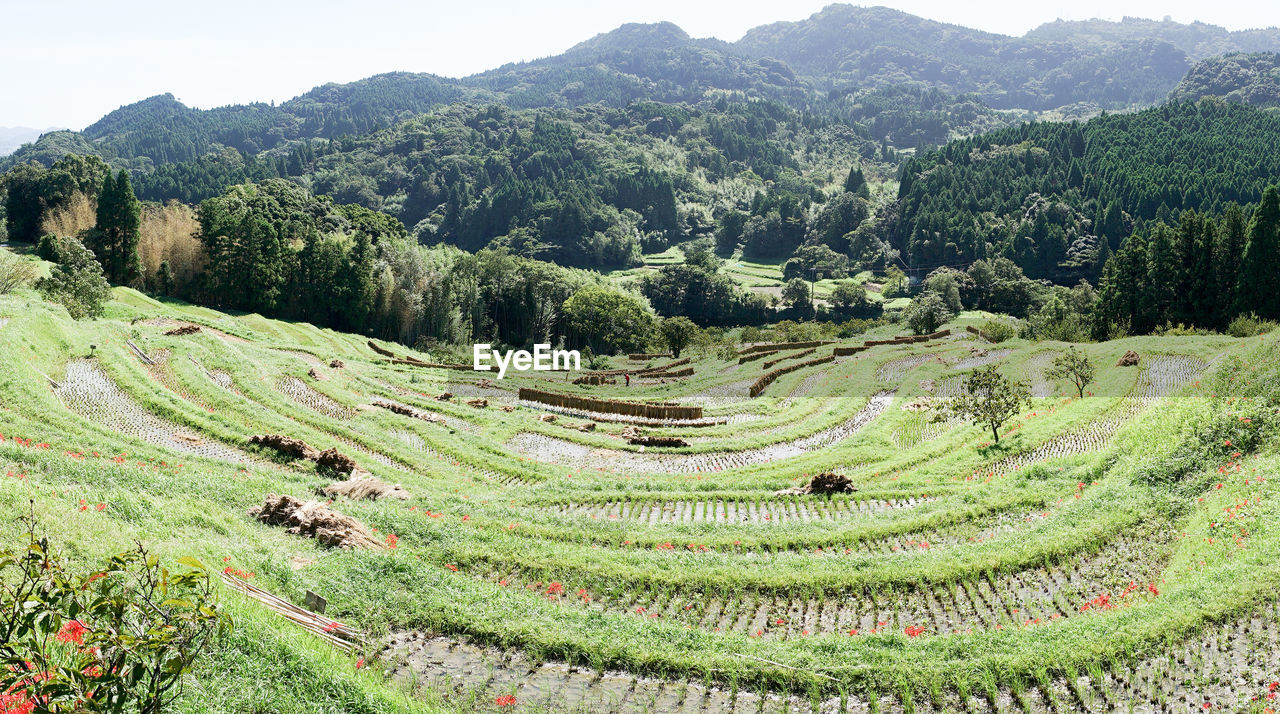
[1250, 326]
[115, 640]
[998, 331]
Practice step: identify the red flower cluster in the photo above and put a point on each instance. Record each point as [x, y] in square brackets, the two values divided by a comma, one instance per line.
[72, 632]
[506, 700]
[914, 630]
[237, 572]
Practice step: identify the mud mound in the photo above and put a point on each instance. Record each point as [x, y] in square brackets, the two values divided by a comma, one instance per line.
[184, 330]
[823, 483]
[314, 519]
[656, 441]
[293, 448]
[1130, 359]
[360, 488]
[334, 460]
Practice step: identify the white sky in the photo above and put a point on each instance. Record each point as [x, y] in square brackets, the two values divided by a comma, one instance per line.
[68, 62]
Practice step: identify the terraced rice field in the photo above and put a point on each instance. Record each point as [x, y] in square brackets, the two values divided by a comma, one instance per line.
[1110, 553]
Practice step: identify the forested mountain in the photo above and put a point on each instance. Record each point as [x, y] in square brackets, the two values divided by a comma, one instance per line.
[591, 186]
[1059, 198]
[1248, 78]
[908, 80]
[848, 46]
[1197, 39]
[13, 137]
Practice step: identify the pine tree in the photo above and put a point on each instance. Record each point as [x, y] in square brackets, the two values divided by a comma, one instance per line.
[1161, 295]
[1261, 261]
[1226, 269]
[856, 183]
[115, 239]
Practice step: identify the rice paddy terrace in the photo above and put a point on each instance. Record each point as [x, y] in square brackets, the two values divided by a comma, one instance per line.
[1116, 552]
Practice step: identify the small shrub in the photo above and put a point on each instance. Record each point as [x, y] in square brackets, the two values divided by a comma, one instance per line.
[15, 273]
[1250, 326]
[998, 331]
[927, 313]
[77, 281]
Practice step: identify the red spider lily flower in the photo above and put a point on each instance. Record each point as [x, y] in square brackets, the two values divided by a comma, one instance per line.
[72, 632]
[360, 663]
[101, 506]
[503, 582]
[640, 610]
[451, 566]
[555, 588]
[1152, 589]
[332, 626]
[914, 630]
[17, 703]
[506, 700]
[392, 540]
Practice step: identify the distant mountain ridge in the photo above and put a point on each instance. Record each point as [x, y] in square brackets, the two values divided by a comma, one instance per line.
[846, 62]
[12, 137]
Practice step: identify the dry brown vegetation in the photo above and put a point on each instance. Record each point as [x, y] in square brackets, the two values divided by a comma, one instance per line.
[169, 233]
[79, 213]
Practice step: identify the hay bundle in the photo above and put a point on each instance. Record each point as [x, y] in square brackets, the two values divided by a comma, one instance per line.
[367, 487]
[611, 406]
[184, 330]
[336, 364]
[774, 346]
[823, 483]
[804, 353]
[336, 461]
[445, 397]
[288, 446]
[312, 373]
[846, 351]
[656, 441]
[384, 352]
[398, 408]
[1130, 359]
[547, 418]
[767, 378]
[478, 403]
[314, 519]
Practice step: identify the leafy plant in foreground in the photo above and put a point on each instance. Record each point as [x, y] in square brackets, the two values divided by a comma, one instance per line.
[115, 640]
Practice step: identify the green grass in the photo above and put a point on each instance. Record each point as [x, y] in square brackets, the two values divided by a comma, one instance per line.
[1002, 519]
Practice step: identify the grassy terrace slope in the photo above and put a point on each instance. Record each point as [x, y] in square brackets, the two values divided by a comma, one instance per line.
[1110, 550]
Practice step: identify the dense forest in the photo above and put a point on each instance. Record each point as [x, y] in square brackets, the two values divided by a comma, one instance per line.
[1248, 78]
[860, 139]
[1059, 198]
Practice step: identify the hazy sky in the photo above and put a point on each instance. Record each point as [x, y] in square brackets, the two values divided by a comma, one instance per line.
[68, 62]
